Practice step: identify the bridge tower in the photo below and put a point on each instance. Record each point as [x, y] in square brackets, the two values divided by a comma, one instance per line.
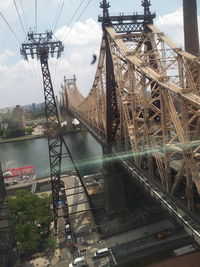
[64, 105]
[110, 167]
[112, 114]
[191, 27]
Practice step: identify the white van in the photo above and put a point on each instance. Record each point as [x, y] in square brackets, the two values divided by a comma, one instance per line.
[101, 253]
[69, 238]
[79, 262]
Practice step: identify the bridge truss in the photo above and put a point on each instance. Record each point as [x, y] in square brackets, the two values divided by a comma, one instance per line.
[154, 91]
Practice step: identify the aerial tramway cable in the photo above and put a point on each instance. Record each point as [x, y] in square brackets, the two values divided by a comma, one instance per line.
[36, 16]
[77, 19]
[25, 22]
[57, 12]
[19, 17]
[10, 28]
[73, 16]
[73, 25]
[58, 15]
[69, 23]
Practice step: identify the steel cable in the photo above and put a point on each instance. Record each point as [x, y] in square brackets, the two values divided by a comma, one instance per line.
[25, 22]
[58, 15]
[19, 17]
[69, 23]
[73, 25]
[10, 28]
[77, 19]
[36, 16]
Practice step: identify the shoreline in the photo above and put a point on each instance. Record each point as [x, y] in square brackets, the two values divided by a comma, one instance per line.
[22, 138]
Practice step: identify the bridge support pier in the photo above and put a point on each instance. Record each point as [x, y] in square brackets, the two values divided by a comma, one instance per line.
[113, 187]
[68, 119]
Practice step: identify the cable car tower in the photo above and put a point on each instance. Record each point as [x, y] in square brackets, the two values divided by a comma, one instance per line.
[41, 46]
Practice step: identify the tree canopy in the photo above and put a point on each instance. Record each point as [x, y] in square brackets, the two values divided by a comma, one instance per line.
[32, 217]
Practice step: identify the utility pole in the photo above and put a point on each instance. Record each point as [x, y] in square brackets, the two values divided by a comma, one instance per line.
[41, 46]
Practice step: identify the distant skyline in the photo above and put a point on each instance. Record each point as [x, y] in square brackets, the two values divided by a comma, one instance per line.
[20, 81]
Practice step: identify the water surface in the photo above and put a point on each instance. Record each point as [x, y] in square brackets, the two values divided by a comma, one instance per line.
[86, 152]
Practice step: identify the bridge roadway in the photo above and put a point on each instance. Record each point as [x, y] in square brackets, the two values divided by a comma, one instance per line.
[189, 222]
[10, 190]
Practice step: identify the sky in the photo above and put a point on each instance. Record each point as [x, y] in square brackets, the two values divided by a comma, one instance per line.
[21, 81]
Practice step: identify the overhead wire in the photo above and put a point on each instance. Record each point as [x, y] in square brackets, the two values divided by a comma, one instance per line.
[77, 19]
[69, 23]
[19, 17]
[59, 14]
[25, 21]
[73, 16]
[36, 22]
[10, 28]
[54, 20]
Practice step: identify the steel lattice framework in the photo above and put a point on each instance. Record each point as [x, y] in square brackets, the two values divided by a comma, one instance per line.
[41, 45]
[154, 89]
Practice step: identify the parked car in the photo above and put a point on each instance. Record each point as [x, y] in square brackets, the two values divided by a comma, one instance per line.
[67, 228]
[69, 238]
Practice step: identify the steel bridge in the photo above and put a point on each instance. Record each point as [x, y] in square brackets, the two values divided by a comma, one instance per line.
[145, 105]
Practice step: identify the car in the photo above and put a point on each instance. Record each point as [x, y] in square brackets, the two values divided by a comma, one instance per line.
[69, 238]
[101, 253]
[67, 228]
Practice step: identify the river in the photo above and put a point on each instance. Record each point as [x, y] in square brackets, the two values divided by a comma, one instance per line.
[86, 152]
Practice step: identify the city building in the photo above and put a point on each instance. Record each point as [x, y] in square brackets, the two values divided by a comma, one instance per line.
[18, 118]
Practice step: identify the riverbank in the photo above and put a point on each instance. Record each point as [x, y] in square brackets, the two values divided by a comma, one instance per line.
[22, 138]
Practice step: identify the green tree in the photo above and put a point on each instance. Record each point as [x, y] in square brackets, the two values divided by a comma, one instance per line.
[32, 217]
[1, 132]
[29, 130]
[6, 117]
[12, 133]
[35, 114]
[50, 243]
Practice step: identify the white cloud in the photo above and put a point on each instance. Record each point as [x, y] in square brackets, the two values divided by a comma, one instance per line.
[6, 55]
[82, 34]
[172, 25]
[21, 83]
[5, 4]
[17, 86]
[82, 42]
[7, 8]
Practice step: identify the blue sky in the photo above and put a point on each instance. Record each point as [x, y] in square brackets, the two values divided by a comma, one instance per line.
[21, 81]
